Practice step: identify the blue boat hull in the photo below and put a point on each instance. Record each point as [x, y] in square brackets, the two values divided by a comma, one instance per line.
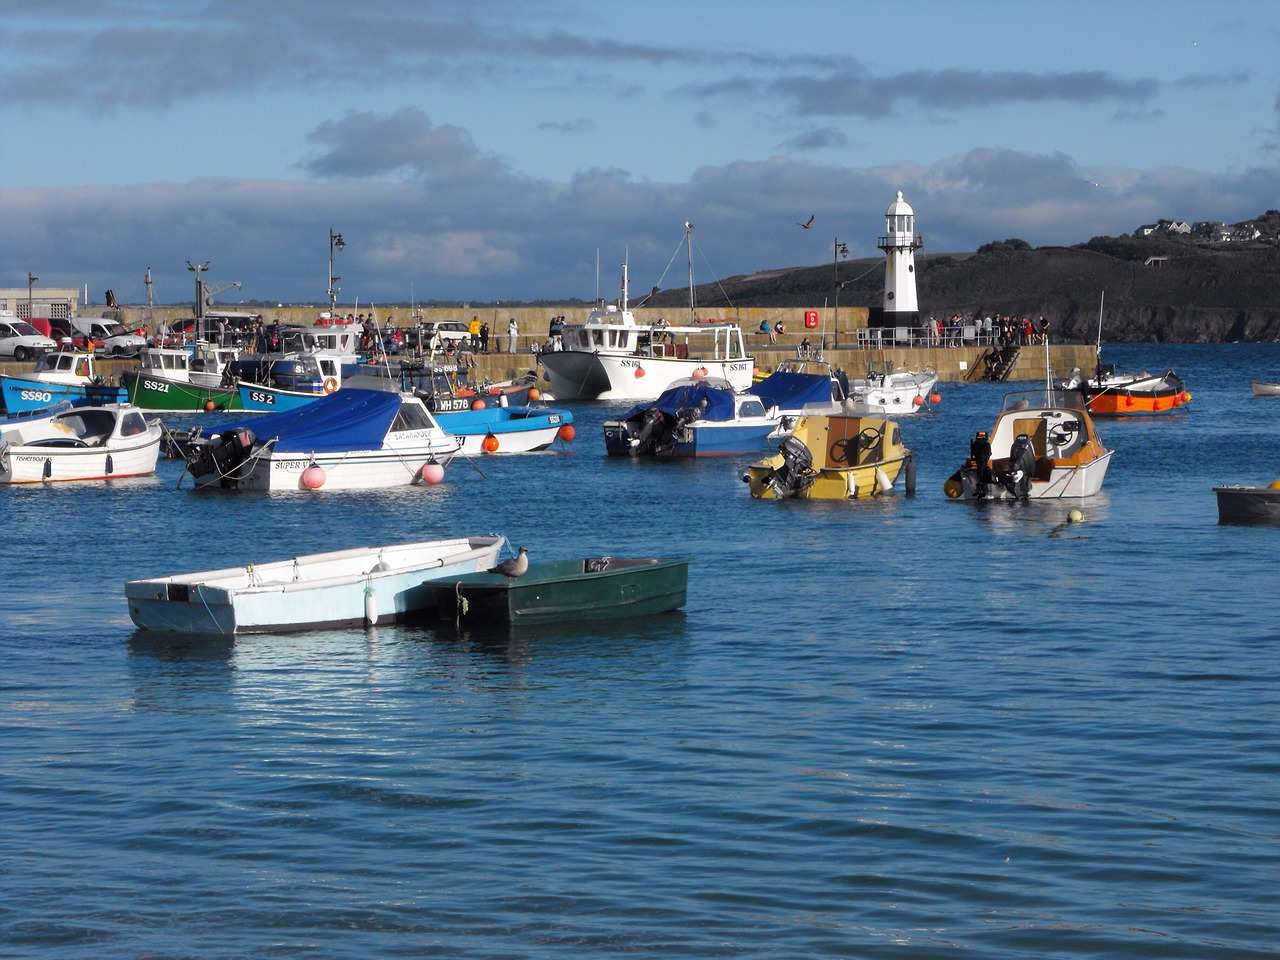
[22, 395]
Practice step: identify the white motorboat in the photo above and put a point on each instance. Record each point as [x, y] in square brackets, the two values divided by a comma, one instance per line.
[612, 357]
[349, 440]
[1043, 446]
[363, 585]
[1264, 388]
[884, 392]
[109, 442]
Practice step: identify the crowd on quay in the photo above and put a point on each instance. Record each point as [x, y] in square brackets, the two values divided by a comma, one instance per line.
[957, 330]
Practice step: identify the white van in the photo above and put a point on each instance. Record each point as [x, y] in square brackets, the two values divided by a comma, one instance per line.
[20, 340]
[109, 336]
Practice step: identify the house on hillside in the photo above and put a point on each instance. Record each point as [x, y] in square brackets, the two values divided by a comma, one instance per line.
[1214, 230]
[1166, 227]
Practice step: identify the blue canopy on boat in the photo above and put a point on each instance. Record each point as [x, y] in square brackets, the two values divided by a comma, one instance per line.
[791, 391]
[346, 420]
[720, 403]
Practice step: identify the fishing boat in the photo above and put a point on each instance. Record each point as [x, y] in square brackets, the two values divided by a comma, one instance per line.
[349, 440]
[1264, 388]
[1111, 394]
[594, 588]
[884, 392]
[63, 375]
[1249, 506]
[835, 457]
[179, 380]
[612, 357]
[697, 417]
[276, 384]
[496, 428]
[107, 442]
[362, 585]
[1044, 445]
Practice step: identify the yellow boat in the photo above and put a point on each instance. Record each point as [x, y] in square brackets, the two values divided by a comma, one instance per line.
[835, 457]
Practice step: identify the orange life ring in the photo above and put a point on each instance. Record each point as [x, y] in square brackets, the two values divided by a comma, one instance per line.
[330, 384]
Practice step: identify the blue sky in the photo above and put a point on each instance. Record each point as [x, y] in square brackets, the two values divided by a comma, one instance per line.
[495, 150]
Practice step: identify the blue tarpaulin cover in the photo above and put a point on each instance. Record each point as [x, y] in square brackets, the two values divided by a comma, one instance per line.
[791, 391]
[346, 420]
[720, 403]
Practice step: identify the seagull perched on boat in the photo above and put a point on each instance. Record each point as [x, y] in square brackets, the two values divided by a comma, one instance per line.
[807, 224]
[515, 567]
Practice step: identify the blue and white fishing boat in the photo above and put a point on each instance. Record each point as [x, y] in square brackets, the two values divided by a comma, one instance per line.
[64, 375]
[698, 417]
[349, 440]
[506, 429]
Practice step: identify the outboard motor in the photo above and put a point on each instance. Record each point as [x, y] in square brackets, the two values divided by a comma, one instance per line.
[1022, 467]
[796, 474]
[647, 435]
[223, 456]
[980, 454]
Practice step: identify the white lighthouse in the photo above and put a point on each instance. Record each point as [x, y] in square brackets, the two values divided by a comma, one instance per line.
[900, 245]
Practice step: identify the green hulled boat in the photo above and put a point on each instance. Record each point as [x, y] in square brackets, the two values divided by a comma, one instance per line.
[594, 588]
[175, 380]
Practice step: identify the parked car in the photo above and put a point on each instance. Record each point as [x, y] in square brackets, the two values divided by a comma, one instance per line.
[454, 330]
[109, 336]
[22, 341]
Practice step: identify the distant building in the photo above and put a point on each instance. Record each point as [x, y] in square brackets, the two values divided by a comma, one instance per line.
[41, 303]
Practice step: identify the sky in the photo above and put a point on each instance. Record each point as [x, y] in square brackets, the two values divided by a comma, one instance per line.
[523, 149]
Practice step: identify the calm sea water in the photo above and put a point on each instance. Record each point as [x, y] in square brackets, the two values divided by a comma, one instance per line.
[906, 728]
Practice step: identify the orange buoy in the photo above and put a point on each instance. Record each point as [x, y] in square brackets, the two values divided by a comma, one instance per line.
[210, 406]
[917, 401]
[700, 372]
[490, 444]
[935, 397]
[639, 372]
[1128, 400]
[566, 432]
[313, 477]
[432, 472]
[534, 394]
[477, 404]
[330, 384]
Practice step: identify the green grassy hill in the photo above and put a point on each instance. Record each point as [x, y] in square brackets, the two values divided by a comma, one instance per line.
[1200, 292]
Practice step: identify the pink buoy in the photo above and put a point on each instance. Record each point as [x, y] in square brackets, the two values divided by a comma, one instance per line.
[313, 477]
[432, 473]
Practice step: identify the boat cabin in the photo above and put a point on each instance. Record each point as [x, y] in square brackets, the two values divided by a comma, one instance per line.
[615, 332]
[65, 367]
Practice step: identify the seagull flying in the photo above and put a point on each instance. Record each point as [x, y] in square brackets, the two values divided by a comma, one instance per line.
[807, 224]
[515, 567]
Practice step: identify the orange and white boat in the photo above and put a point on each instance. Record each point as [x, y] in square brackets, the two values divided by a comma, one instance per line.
[1110, 394]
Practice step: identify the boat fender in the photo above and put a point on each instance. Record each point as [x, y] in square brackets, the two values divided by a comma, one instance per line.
[370, 604]
[909, 477]
[883, 483]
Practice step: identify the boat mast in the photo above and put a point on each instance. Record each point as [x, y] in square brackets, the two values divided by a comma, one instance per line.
[624, 281]
[688, 240]
[1097, 346]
